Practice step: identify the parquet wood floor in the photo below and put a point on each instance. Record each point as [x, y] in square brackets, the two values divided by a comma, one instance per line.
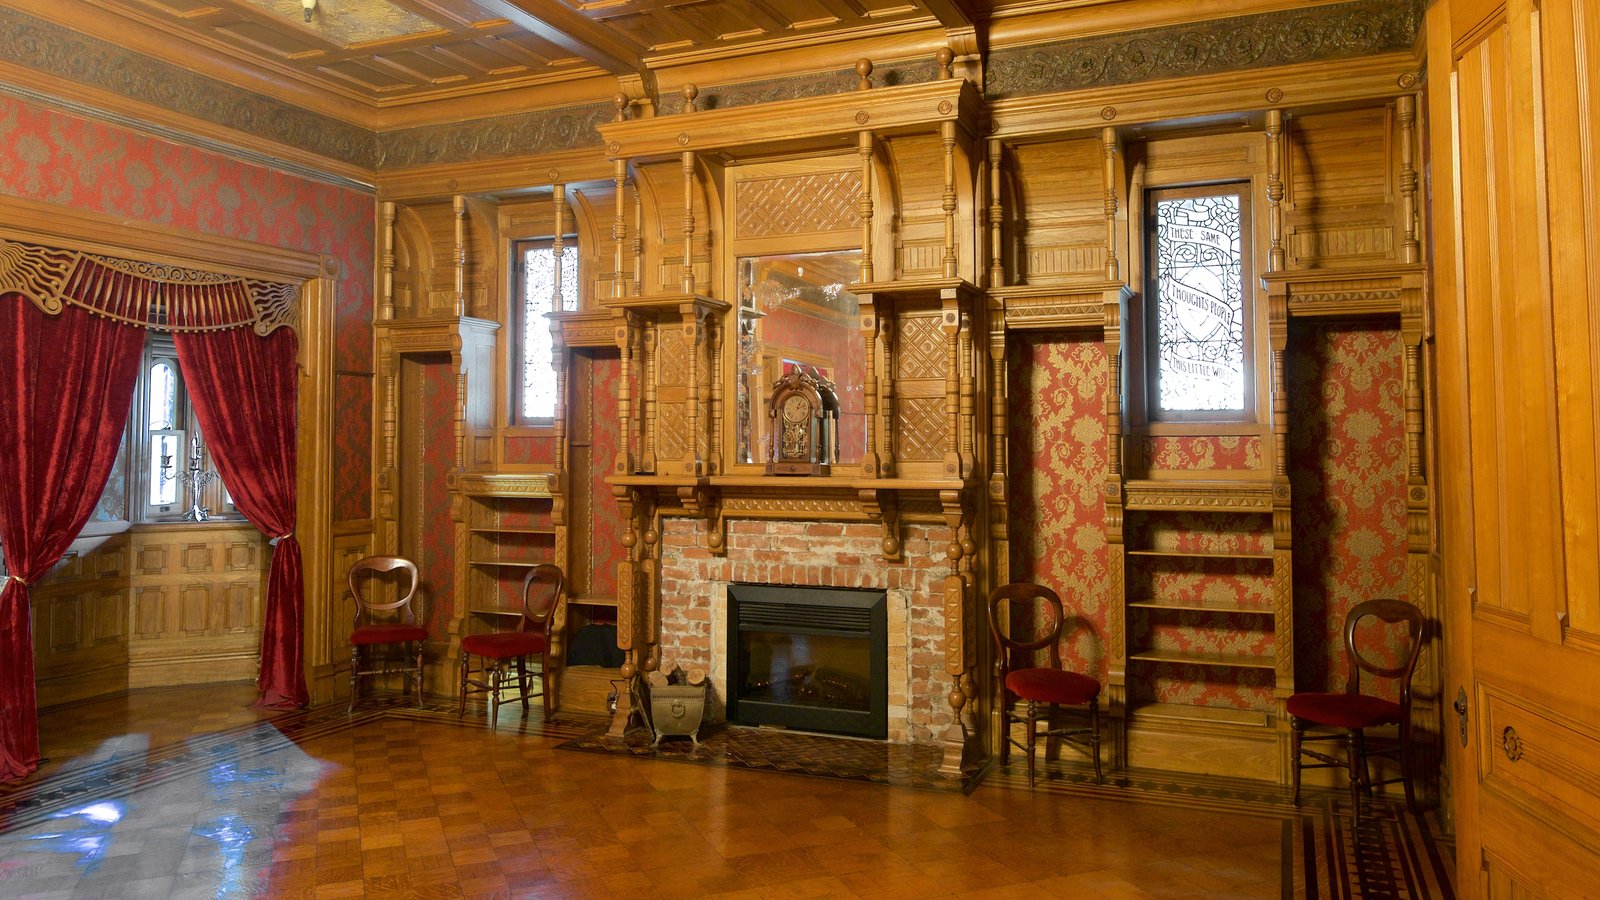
[191, 792]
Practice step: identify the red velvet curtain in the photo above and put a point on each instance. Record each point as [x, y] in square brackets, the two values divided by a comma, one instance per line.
[243, 389]
[66, 384]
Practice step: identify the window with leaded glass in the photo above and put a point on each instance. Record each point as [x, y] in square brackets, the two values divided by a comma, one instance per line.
[1199, 269]
[538, 282]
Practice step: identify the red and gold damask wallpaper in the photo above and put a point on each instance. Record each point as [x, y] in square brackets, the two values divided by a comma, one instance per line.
[605, 536]
[1058, 457]
[58, 158]
[1347, 459]
[435, 382]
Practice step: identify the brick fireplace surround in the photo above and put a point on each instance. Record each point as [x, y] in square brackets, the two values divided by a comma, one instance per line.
[694, 601]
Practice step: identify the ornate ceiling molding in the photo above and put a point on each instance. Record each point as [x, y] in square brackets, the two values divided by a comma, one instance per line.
[1330, 32]
[815, 84]
[1339, 31]
[55, 50]
[502, 137]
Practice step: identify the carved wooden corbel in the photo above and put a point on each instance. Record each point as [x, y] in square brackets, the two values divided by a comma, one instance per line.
[883, 507]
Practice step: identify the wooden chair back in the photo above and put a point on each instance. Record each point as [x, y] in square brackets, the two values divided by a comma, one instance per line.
[407, 610]
[1016, 653]
[1390, 612]
[541, 594]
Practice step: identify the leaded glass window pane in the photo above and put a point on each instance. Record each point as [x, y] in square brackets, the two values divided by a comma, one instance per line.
[1200, 342]
[163, 397]
[164, 465]
[538, 298]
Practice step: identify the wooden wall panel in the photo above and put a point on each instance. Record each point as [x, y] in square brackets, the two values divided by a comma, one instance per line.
[661, 186]
[918, 166]
[197, 603]
[1060, 189]
[80, 615]
[595, 208]
[1341, 178]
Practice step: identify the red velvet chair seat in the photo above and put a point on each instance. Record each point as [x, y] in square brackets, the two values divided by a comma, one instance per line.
[387, 634]
[1052, 686]
[504, 645]
[1344, 710]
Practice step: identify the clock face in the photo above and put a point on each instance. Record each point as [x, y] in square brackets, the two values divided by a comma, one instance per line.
[796, 409]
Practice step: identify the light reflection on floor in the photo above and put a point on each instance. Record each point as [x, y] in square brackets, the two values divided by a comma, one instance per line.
[208, 832]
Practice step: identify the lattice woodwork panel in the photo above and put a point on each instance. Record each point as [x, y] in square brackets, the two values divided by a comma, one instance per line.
[919, 349]
[672, 430]
[919, 429]
[798, 204]
[672, 357]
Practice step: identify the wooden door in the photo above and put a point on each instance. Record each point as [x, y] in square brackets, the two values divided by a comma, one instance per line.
[1515, 126]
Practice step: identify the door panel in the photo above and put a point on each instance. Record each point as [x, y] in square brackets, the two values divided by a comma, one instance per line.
[1518, 326]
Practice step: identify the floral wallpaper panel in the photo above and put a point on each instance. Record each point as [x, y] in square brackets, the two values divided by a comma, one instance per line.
[1348, 473]
[1058, 457]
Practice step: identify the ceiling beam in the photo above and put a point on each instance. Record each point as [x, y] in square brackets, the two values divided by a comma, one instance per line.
[572, 31]
[953, 13]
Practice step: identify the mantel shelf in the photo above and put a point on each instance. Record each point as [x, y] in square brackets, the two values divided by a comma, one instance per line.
[715, 499]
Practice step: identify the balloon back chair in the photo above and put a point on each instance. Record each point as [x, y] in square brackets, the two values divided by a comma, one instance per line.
[1039, 688]
[499, 652]
[386, 638]
[1345, 716]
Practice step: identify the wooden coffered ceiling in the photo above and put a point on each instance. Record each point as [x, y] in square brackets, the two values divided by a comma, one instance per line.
[396, 53]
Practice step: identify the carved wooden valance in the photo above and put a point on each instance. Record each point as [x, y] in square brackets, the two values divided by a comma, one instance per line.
[149, 295]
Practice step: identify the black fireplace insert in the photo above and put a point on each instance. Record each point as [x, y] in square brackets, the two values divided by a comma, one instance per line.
[809, 658]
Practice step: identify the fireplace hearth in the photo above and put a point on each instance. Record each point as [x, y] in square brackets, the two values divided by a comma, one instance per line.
[808, 658]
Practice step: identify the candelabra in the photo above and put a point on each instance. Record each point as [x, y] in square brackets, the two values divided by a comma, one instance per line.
[197, 478]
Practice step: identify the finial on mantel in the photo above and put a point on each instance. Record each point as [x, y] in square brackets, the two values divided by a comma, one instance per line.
[864, 69]
[689, 93]
[944, 57]
[620, 101]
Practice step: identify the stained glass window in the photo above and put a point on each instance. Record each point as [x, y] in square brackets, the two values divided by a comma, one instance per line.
[1199, 260]
[164, 435]
[538, 298]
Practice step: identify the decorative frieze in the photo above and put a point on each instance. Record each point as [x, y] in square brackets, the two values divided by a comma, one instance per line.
[1339, 31]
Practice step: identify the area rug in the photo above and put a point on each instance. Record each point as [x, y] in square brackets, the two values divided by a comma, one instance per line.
[773, 750]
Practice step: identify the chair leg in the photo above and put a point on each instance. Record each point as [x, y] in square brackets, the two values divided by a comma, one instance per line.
[496, 681]
[1405, 765]
[461, 702]
[1296, 733]
[1357, 765]
[419, 674]
[1052, 741]
[545, 686]
[1033, 737]
[355, 677]
[1094, 738]
[522, 680]
[1005, 731]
